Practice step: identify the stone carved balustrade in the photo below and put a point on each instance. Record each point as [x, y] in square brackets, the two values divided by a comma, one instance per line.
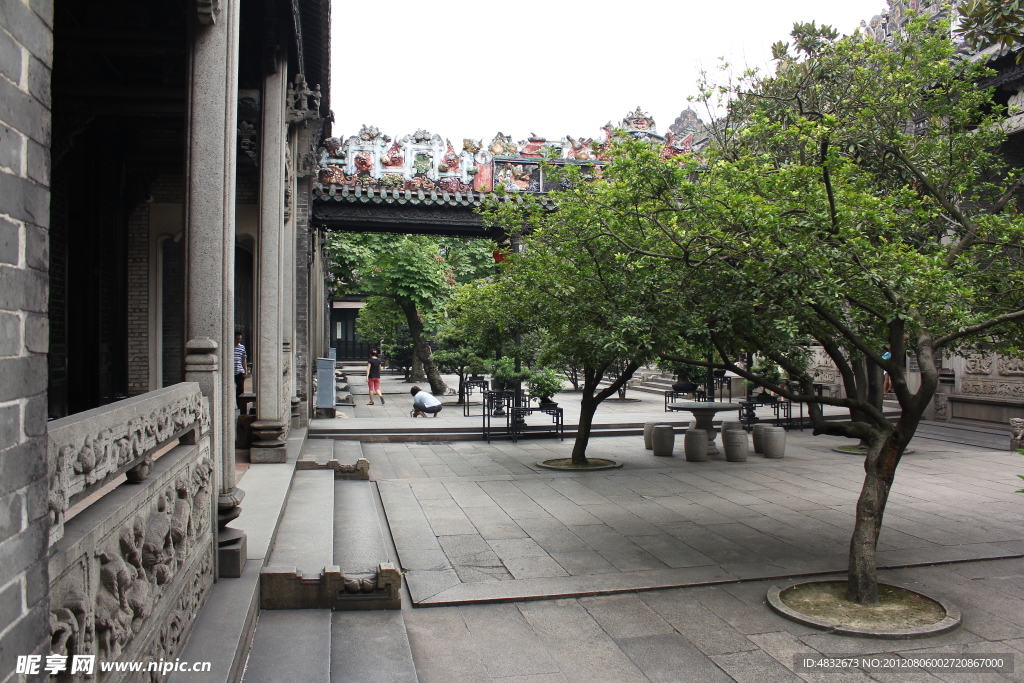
[129, 573]
[87, 450]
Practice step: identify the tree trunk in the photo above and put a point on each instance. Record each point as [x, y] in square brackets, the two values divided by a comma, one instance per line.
[588, 406]
[420, 350]
[884, 452]
[589, 401]
[416, 369]
[462, 386]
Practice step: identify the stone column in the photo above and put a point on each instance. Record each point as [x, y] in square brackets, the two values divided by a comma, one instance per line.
[210, 223]
[272, 411]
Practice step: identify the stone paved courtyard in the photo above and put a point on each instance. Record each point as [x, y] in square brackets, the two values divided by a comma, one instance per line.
[481, 522]
[658, 571]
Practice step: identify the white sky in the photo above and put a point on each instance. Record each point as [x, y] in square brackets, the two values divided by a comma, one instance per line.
[553, 67]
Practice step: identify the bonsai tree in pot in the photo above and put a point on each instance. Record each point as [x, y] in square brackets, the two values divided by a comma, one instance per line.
[771, 374]
[543, 384]
[505, 375]
[688, 377]
[477, 367]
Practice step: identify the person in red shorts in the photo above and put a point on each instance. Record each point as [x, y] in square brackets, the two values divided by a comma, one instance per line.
[373, 376]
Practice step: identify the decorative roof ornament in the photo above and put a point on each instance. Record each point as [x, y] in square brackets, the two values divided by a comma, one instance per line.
[503, 146]
[371, 133]
[303, 103]
[639, 121]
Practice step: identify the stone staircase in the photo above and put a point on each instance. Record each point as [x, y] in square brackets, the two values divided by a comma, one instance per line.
[329, 593]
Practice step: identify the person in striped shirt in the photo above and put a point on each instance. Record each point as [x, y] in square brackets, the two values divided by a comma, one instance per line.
[241, 369]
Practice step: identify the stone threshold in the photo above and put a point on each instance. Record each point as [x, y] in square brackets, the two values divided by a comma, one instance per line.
[442, 588]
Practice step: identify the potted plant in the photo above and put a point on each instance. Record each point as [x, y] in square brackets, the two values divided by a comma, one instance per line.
[543, 384]
[477, 368]
[688, 377]
[770, 373]
[505, 374]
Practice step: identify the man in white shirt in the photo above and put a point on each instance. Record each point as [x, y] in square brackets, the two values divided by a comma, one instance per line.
[424, 402]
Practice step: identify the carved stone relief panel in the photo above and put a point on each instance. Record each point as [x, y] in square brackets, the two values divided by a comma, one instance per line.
[978, 364]
[133, 581]
[941, 407]
[981, 387]
[1009, 367]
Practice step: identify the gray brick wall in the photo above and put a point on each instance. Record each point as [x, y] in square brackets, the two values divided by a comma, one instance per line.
[138, 300]
[26, 44]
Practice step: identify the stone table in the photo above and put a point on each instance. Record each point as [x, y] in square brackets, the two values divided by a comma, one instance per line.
[704, 414]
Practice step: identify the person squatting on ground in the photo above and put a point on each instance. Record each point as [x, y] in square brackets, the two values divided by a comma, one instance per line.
[424, 402]
[241, 369]
[373, 377]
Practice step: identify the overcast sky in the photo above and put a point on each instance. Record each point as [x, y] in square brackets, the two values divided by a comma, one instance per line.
[553, 67]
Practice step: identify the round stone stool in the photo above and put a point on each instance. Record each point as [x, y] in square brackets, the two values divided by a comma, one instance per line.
[773, 442]
[731, 424]
[648, 426]
[756, 434]
[695, 445]
[663, 439]
[736, 445]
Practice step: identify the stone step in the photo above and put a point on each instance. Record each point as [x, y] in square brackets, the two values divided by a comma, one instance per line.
[359, 546]
[305, 538]
[344, 398]
[291, 645]
[320, 450]
[370, 646]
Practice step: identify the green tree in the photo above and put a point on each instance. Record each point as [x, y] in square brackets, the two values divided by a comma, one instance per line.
[417, 272]
[853, 199]
[984, 23]
[589, 299]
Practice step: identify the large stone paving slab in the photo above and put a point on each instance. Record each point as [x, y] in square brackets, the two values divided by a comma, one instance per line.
[487, 525]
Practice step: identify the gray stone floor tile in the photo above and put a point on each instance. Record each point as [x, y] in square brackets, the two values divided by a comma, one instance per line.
[583, 651]
[670, 658]
[582, 562]
[702, 627]
[292, 644]
[508, 548]
[534, 567]
[753, 667]
[632, 559]
[493, 523]
[743, 617]
[446, 518]
[370, 645]
[442, 646]
[625, 616]
[506, 643]
[672, 551]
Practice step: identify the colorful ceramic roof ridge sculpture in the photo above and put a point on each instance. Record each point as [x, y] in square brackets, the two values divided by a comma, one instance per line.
[424, 162]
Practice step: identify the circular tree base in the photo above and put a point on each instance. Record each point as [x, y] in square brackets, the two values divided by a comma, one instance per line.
[567, 464]
[900, 614]
[857, 450]
[624, 400]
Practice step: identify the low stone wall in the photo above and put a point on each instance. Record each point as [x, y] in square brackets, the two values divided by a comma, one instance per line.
[88, 450]
[129, 573]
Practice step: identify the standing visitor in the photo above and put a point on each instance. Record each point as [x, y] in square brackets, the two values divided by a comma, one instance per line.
[373, 376]
[424, 402]
[241, 369]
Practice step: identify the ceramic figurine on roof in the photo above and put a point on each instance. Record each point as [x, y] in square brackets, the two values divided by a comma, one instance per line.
[533, 146]
[581, 149]
[502, 146]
